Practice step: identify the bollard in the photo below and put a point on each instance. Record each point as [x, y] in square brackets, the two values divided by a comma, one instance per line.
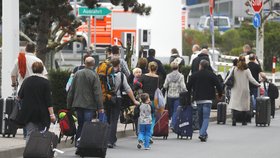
[273, 68]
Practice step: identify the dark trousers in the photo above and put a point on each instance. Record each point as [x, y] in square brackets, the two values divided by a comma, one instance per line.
[241, 114]
[114, 114]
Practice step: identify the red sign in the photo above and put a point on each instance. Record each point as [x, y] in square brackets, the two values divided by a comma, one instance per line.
[257, 5]
[211, 7]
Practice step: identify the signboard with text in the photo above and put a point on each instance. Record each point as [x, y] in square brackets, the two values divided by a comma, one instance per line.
[84, 11]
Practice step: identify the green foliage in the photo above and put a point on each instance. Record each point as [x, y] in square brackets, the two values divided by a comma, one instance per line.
[236, 51]
[271, 43]
[247, 34]
[58, 80]
[230, 40]
[185, 70]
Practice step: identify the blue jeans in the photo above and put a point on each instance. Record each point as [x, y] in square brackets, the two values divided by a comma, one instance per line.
[173, 103]
[145, 134]
[84, 115]
[204, 114]
[254, 95]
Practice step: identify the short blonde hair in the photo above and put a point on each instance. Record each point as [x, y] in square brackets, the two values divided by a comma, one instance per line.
[136, 70]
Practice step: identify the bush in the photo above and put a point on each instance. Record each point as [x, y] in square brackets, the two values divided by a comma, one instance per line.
[185, 70]
[58, 80]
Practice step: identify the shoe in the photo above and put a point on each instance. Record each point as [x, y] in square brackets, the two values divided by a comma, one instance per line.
[233, 123]
[203, 138]
[151, 141]
[244, 123]
[77, 152]
[140, 144]
[148, 148]
[110, 146]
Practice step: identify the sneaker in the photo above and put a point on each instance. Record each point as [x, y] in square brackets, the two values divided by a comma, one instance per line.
[148, 148]
[151, 141]
[140, 144]
[203, 138]
[110, 146]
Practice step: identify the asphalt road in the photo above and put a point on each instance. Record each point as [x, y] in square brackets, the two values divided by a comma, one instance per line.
[224, 141]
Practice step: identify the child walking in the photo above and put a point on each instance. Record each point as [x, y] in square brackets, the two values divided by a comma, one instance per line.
[145, 122]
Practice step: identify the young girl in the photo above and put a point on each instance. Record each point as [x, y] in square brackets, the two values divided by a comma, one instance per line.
[145, 122]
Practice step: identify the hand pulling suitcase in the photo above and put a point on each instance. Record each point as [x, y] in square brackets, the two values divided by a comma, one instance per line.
[221, 112]
[41, 145]
[161, 126]
[93, 140]
[7, 127]
[263, 111]
[183, 123]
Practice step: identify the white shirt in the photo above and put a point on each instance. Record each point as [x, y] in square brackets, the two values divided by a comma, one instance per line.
[193, 56]
[30, 59]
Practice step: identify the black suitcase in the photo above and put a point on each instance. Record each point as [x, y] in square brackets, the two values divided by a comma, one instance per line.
[221, 112]
[183, 124]
[93, 140]
[7, 127]
[41, 145]
[263, 111]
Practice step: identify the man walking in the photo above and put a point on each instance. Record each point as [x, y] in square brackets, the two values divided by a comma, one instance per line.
[203, 84]
[85, 94]
[116, 54]
[160, 71]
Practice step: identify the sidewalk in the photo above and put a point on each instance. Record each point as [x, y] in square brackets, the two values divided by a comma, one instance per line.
[14, 147]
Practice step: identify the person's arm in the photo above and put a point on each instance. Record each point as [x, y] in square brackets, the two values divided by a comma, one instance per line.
[251, 78]
[71, 92]
[98, 93]
[190, 83]
[124, 68]
[131, 96]
[218, 85]
[14, 75]
[165, 85]
[182, 84]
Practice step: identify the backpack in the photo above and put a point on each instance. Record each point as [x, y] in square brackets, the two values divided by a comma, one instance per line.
[66, 124]
[272, 91]
[107, 79]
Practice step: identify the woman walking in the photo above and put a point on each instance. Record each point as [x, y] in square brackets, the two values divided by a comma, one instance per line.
[240, 93]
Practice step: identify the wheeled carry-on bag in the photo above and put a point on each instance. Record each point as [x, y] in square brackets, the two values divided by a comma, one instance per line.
[93, 140]
[41, 145]
[183, 123]
[161, 128]
[7, 127]
[221, 112]
[263, 111]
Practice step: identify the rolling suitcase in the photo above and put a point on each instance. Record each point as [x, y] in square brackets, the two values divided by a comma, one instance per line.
[41, 145]
[161, 126]
[93, 140]
[183, 124]
[263, 111]
[221, 112]
[7, 127]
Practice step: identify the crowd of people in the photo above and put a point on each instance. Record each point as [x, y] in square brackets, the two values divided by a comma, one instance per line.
[86, 93]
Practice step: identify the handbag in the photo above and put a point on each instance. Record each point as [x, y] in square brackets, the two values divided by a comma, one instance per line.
[230, 82]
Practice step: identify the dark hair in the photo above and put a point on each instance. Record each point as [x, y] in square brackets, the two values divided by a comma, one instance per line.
[142, 63]
[252, 56]
[115, 50]
[153, 66]
[85, 56]
[109, 49]
[174, 51]
[115, 62]
[241, 65]
[204, 64]
[144, 97]
[204, 46]
[30, 47]
[37, 67]
[152, 52]
[234, 62]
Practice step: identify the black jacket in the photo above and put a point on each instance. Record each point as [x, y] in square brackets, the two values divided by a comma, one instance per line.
[160, 70]
[196, 61]
[203, 84]
[35, 94]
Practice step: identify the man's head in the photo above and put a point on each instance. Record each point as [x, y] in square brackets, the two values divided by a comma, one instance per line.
[115, 50]
[89, 62]
[252, 57]
[85, 56]
[195, 48]
[116, 62]
[246, 48]
[174, 51]
[174, 65]
[204, 64]
[30, 47]
[204, 51]
[37, 67]
[152, 52]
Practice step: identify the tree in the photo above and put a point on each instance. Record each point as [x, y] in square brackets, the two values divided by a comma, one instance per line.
[48, 21]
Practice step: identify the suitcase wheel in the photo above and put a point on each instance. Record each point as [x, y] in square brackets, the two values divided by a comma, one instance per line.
[224, 122]
[14, 135]
[165, 137]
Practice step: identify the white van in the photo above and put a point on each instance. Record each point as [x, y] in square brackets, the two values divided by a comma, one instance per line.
[222, 23]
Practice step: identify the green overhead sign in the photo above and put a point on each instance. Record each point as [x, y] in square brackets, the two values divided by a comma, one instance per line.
[84, 11]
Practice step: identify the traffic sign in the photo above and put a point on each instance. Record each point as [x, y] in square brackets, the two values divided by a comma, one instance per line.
[257, 20]
[211, 7]
[84, 11]
[257, 5]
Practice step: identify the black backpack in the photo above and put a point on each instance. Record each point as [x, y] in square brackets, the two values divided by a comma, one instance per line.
[272, 91]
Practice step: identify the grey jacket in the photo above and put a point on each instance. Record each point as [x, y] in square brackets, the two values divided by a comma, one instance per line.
[126, 87]
[85, 91]
[175, 83]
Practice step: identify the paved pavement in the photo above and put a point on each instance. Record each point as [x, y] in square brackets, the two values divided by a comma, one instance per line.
[13, 147]
[224, 141]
